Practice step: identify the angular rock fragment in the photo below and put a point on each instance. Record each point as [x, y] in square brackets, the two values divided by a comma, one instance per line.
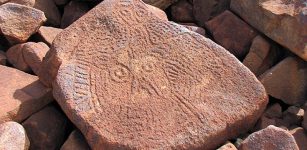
[284, 21]
[15, 57]
[127, 78]
[182, 11]
[46, 129]
[274, 111]
[205, 10]
[270, 138]
[287, 81]
[75, 141]
[18, 22]
[13, 137]
[48, 34]
[264, 122]
[300, 136]
[33, 54]
[232, 33]
[162, 4]
[228, 146]
[72, 12]
[23, 96]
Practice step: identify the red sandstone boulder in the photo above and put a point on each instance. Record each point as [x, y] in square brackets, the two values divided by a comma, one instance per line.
[48, 34]
[15, 57]
[127, 78]
[228, 146]
[33, 54]
[300, 136]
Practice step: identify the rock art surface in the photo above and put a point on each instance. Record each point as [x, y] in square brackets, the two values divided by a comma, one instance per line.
[163, 4]
[138, 82]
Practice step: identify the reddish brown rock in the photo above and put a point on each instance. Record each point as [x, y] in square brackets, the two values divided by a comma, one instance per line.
[293, 115]
[132, 79]
[2, 58]
[182, 11]
[287, 81]
[48, 34]
[228, 146]
[270, 138]
[196, 29]
[3, 1]
[274, 111]
[284, 21]
[72, 12]
[46, 129]
[18, 22]
[75, 141]
[162, 4]
[232, 33]
[157, 11]
[15, 57]
[300, 136]
[205, 10]
[264, 122]
[13, 137]
[23, 96]
[33, 54]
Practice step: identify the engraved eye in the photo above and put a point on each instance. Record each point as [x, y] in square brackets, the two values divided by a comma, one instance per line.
[148, 67]
[120, 74]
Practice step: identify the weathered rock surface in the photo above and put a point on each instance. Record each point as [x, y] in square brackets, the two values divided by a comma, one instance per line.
[274, 111]
[205, 10]
[196, 29]
[284, 21]
[75, 141]
[162, 4]
[72, 12]
[182, 11]
[15, 57]
[48, 34]
[300, 136]
[135, 78]
[46, 129]
[13, 137]
[232, 33]
[270, 138]
[157, 11]
[33, 54]
[287, 81]
[18, 22]
[228, 146]
[23, 96]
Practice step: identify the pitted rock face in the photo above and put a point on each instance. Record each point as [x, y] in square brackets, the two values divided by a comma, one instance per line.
[130, 80]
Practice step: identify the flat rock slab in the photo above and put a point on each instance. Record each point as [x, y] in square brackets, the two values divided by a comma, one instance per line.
[13, 137]
[130, 80]
[284, 21]
[22, 94]
[18, 22]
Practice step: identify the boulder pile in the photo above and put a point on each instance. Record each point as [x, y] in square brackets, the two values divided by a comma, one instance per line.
[153, 74]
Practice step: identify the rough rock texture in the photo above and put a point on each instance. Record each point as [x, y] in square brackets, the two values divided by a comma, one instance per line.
[18, 22]
[232, 33]
[270, 138]
[75, 141]
[196, 29]
[300, 136]
[264, 122]
[46, 129]
[205, 10]
[287, 81]
[274, 111]
[157, 11]
[23, 96]
[3, 58]
[228, 146]
[48, 34]
[135, 78]
[33, 54]
[182, 11]
[284, 21]
[13, 137]
[162, 4]
[293, 116]
[15, 57]
[72, 12]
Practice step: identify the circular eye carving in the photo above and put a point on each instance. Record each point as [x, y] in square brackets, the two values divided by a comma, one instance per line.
[120, 74]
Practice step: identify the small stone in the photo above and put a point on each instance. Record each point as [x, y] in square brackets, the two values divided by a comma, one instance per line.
[300, 136]
[46, 129]
[196, 29]
[232, 33]
[2, 58]
[287, 81]
[205, 10]
[13, 137]
[72, 12]
[228, 146]
[22, 95]
[182, 11]
[264, 122]
[274, 111]
[75, 141]
[33, 54]
[18, 22]
[162, 4]
[48, 34]
[270, 138]
[15, 57]
[293, 115]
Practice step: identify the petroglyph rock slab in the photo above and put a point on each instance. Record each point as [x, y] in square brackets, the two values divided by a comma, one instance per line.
[138, 82]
